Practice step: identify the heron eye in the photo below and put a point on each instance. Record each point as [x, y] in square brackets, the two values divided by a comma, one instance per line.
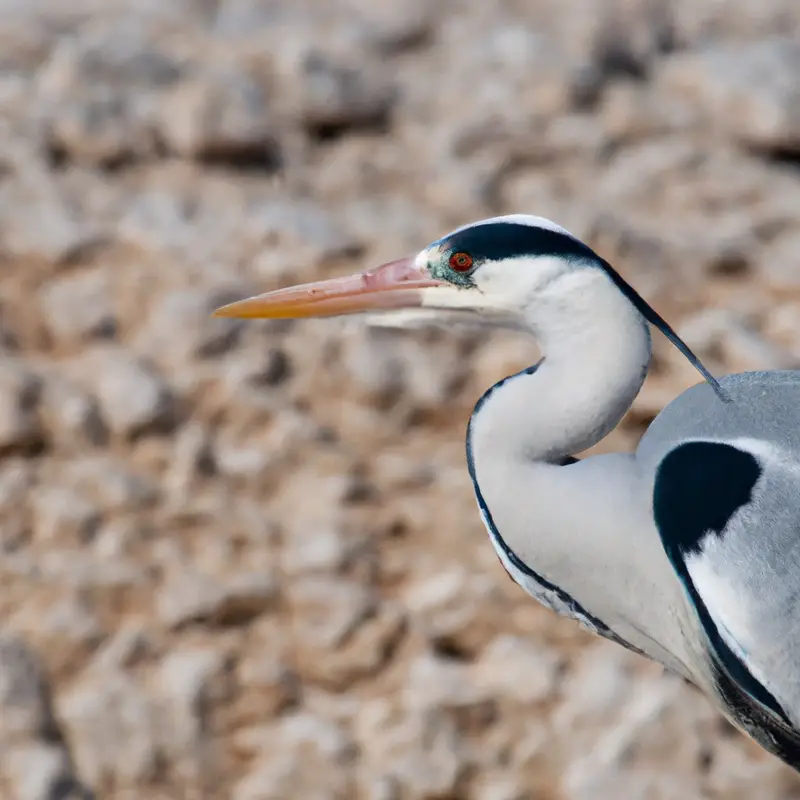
[461, 262]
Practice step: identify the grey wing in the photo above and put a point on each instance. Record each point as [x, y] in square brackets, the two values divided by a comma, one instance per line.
[728, 513]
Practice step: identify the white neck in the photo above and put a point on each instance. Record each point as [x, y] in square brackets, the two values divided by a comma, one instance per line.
[596, 350]
[586, 528]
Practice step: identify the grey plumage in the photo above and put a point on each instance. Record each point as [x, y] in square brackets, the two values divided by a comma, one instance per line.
[687, 550]
[747, 575]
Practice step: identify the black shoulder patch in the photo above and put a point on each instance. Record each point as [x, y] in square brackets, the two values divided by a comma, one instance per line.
[495, 241]
[699, 486]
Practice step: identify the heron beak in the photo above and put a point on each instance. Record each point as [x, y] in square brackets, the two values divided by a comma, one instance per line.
[398, 284]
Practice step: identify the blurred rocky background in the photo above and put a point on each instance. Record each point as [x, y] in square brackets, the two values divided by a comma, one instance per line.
[243, 560]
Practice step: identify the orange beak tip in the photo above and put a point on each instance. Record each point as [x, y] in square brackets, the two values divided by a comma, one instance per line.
[227, 311]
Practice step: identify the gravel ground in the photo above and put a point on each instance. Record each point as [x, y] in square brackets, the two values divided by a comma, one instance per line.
[243, 560]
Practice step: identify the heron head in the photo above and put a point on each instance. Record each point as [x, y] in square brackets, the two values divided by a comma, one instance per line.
[493, 269]
[510, 270]
[507, 269]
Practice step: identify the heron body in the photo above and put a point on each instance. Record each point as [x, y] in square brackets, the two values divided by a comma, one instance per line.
[686, 551]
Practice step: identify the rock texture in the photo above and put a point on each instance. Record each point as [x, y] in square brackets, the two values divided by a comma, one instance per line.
[243, 560]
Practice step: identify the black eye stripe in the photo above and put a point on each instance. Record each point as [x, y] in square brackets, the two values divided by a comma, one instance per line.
[496, 241]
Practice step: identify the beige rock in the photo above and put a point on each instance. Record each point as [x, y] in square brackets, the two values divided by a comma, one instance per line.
[98, 93]
[113, 729]
[333, 96]
[201, 335]
[457, 609]
[39, 769]
[38, 223]
[132, 396]
[269, 683]
[108, 483]
[344, 622]
[309, 549]
[38, 762]
[302, 755]
[422, 752]
[192, 682]
[20, 426]
[523, 670]
[195, 598]
[748, 93]
[221, 114]
[24, 692]
[62, 514]
[67, 627]
[779, 264]
[71, 415]
[79, 306]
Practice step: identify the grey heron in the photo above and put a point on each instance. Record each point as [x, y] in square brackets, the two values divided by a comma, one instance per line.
[687, 550]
